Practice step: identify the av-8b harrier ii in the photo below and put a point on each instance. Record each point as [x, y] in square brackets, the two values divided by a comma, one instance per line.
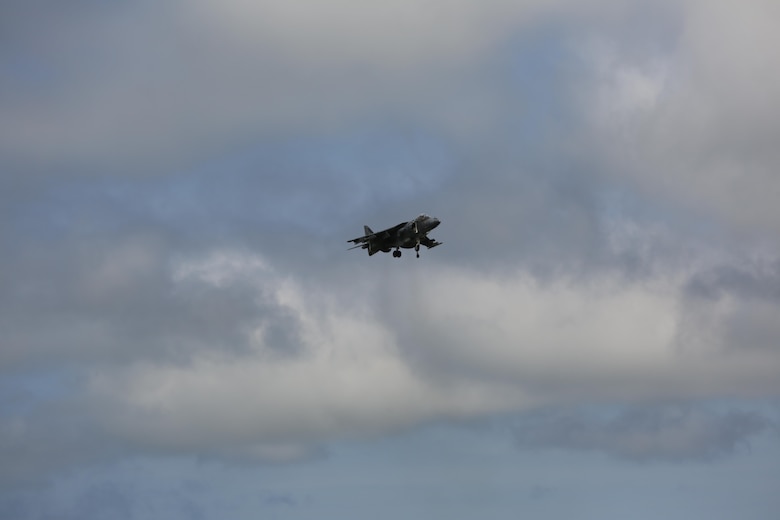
[406, 234]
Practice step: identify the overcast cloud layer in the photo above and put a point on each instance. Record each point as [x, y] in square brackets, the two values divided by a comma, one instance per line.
[178, 182]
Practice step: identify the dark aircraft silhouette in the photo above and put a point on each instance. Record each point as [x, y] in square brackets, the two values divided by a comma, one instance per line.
[406, 234]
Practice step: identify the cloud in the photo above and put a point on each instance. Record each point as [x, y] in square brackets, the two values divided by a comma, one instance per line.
[166, 85]
[734, 306]
[695, 120]
[116, 300]
[48, 436]
[209, 310]
[675, 433]
[749, 282]
[464, 347]
[141, 88]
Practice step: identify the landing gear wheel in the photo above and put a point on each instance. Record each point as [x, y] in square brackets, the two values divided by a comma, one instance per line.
[396, 254]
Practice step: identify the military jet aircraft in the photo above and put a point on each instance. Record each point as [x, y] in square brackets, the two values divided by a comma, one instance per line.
[406, 234]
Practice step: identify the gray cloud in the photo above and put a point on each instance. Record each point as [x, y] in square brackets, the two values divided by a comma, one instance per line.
[733, 307]
[694, 123]
[169, 84]
[167, 87]
[52, 436]
[675, 433]
[121, 300]
[178, 183]
[745, 282]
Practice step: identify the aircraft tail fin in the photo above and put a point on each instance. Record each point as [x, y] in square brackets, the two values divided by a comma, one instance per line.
[367, 230]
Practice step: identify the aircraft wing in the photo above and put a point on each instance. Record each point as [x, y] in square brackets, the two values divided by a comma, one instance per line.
[380, 236]
[429, 242]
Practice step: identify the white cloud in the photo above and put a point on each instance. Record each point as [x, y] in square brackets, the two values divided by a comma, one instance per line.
[170, 84]
[348, 380]
[696, 120]
[129, 83]
[628, 88]
[222, 349]
[464, 346]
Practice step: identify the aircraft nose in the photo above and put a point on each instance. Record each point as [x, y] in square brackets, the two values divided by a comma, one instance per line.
[436, 222]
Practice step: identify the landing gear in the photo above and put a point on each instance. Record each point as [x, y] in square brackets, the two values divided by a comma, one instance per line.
[397, 253]
[417, 250]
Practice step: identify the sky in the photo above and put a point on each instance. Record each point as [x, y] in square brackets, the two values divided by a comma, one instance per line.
[184, 335]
